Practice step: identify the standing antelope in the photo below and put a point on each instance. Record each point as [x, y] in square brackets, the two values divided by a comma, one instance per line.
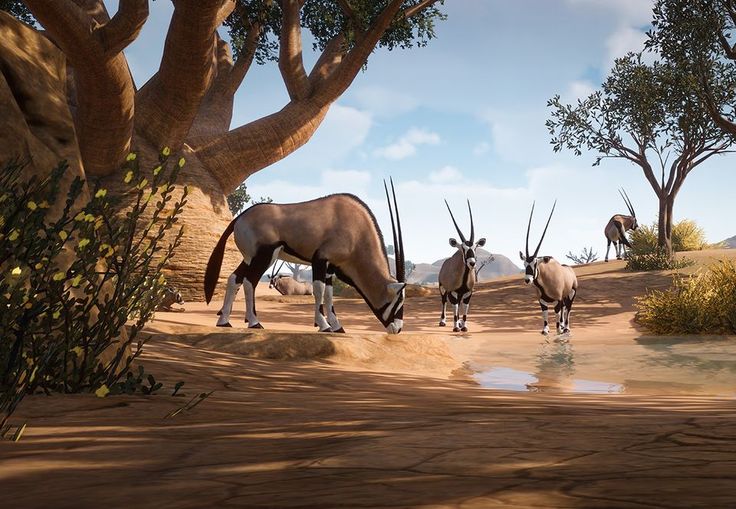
[337, 234]
[556, 284]
[617, 227]
[457, 274]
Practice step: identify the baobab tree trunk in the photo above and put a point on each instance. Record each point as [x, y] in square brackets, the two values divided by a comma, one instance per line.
[664, 226]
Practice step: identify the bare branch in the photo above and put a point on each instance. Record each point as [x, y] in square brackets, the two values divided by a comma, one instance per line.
[124, 27]
[412, 11]
[291, 63]
[232, 81]
[227, 7]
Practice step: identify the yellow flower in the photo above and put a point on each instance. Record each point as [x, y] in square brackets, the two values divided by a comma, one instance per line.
[13, 235]
[89, 218]
[56, 315]
[59, 276]
[143, 183]
[32, 205]
[44, 204]
[128, 177]
[83, 243]
[16, 271]
[63, 235]
[38, 266]
[79, 217]
[76, 280]
[102, 391]
[78, 351]
[28, 305]
[101, 193]
[157, 170]
[166, 151]
[131, 156]
[181, 162]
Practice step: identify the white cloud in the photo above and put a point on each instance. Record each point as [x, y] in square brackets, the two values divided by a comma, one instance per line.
[384, 102]
[578, 90]
[622, 41]
[633, 12]
[407, 145]
[445, 174]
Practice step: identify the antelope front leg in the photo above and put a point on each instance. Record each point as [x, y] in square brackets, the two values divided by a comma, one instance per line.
[334, 322]
[455, 301]
[466, 305]
[319, 275]
[443, 296]
[545, 307]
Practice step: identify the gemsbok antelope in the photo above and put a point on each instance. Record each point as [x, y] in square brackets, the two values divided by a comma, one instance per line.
[457, 275]
[337, 234]
[286, 284]
[617, 227]
[556, 284]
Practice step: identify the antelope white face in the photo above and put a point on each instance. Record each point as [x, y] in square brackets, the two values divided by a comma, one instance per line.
[393, 315]
[531, 267]
[635, 225]
[468, 250]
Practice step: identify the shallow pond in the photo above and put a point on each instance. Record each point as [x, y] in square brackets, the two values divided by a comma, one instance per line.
[657, 366]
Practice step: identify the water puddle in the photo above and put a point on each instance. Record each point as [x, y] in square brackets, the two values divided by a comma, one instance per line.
[663, 366]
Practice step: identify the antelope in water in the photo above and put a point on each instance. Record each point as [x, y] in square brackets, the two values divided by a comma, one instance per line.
[556, 284]
[457, 274]
[617, 227]
[337, 234]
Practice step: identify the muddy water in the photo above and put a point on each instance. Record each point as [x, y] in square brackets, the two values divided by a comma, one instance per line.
[674, 366]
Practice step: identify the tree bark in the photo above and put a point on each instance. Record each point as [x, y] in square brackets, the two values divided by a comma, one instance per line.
[664, 227]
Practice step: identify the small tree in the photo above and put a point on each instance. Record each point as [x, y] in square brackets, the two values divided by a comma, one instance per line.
[482, 262]
[586, 256]
[652, 116]
[238, 199]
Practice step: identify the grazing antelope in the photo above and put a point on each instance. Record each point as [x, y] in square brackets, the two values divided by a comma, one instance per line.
[287, 285]
[556, 284]
[337, 234]
[617, 227]
[170, 297]
[457, 275]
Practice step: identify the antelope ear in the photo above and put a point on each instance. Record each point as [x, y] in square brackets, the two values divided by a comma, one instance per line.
[396, 287]
[521, 255]
[481, 242]
[453, 242]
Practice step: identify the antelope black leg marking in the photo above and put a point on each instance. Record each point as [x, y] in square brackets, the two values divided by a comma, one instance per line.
[466, 305]
[559, 310]
[454, 300]
[254, 270]
[543, 305]
[443, 295]
[231, 292]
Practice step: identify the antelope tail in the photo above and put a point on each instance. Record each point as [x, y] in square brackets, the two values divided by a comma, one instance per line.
[621, 234]
[214, 264]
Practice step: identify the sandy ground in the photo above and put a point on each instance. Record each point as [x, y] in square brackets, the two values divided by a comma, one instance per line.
[301, 419]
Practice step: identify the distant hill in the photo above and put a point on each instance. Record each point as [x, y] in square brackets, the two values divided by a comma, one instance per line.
[730, 242]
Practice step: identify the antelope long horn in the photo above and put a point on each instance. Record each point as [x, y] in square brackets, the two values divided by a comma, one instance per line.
[462, 237]
[393, 227]
[472, 226]
[528, 227]
[545, 229]
[628, 203]
[401, 268]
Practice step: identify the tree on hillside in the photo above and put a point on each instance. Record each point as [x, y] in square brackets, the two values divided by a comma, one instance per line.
[188, 104]
[652, 116]
[697, 34]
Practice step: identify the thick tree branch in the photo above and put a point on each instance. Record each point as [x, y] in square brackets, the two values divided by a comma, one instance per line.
[105, 90]
[168, 104]
[124, 27]
[225, 10]
[351, 64]
[412, 11]
[291, 62]
[231, 82]
[328, 61]
[712, 109]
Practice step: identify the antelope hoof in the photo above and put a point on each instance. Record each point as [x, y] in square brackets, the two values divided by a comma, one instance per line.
[326, 330]
[545, 332]
[341, 330]
[227, 324]
[464, 329]
[442, 324]
[456, 329]
[256, 326]
[566, 331]
[618, 257]
[219, 312]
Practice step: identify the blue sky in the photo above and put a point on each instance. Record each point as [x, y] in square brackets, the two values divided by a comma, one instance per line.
[464, 118]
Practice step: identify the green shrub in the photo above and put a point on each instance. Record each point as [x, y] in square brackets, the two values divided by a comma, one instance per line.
[69, 284]
[704, 303]
[686, 236]
[643, 240]
[656, 260]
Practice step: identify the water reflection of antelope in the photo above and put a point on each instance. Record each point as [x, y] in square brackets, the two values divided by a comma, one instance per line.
[555, 367]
